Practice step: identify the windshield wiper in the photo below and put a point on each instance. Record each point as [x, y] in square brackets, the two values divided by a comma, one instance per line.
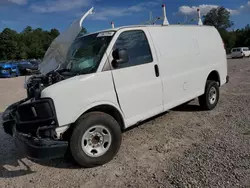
[85, 71]
[63, 70]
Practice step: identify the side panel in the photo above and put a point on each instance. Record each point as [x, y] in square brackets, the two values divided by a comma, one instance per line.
[213, 54]
[236, 54]
[186, 57]
[74, 96]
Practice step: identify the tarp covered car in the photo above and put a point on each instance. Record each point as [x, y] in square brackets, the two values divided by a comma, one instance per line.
[28, 67]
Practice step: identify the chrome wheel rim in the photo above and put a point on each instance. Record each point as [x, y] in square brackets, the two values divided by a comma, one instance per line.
[96, 141]
[212, 95]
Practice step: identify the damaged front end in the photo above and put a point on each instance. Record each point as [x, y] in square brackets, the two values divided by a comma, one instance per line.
[33, 121]
[8, 119]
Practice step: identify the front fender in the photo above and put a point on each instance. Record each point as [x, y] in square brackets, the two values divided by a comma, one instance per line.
[98, 103]
[76, 95]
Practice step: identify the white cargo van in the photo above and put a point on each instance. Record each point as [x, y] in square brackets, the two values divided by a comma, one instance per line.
[240, 52]
[96, 85]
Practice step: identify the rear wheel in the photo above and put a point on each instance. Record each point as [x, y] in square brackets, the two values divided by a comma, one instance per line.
[95, 140]
[210, 98]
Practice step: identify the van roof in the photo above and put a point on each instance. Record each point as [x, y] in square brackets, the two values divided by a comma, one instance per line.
[143, 26]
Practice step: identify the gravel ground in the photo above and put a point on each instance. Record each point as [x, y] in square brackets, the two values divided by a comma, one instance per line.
[182, 148]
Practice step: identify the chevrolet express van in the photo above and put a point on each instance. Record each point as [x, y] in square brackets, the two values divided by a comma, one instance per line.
[94, 86]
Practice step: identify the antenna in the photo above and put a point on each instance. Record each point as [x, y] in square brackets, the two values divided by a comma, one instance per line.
[199, 17]
[113, 25]
[165, 20]
[152, 20]
[158, 18]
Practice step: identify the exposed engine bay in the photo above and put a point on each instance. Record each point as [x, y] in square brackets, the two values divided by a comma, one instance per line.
[34, 115]
[37, 83]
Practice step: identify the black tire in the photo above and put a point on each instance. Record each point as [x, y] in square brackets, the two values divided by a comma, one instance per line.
[85, 123]
[204, 100]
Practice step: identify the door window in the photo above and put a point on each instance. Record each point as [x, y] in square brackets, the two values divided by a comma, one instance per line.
[137, 46]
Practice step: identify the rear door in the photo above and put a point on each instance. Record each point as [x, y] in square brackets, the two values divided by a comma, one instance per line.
[137, 82]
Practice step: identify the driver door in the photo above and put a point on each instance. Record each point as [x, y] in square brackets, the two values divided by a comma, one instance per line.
[137, 82]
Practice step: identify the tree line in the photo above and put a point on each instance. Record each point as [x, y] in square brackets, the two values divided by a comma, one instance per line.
[28, 44]
[220, 19]
[33, 43]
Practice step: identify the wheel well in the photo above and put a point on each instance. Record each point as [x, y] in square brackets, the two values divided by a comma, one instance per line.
[111, 111]
[214, 75]
[101, 108]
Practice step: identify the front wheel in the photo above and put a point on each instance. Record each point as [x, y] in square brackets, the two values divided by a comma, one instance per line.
[95, 140]
[210, 98]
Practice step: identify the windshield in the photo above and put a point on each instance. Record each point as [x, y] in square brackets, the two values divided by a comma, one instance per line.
[86, 52]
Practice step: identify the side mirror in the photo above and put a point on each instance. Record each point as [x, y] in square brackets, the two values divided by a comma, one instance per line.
[120, 56]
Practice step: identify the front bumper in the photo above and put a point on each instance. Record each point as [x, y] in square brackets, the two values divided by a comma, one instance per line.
[29, 123]
[36, 148]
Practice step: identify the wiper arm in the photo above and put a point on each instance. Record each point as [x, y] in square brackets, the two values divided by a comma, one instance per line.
[63, 70]
[86, 71]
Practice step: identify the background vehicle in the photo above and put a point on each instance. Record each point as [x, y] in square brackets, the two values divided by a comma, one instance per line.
[8, 70]
[240, 52]
[28, 67]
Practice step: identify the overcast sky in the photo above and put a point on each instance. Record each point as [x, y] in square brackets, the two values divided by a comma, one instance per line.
[47, 14]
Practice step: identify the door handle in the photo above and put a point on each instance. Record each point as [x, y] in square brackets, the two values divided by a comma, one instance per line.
[157, 74]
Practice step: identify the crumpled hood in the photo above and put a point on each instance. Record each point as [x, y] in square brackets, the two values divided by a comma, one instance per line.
[56, 54]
